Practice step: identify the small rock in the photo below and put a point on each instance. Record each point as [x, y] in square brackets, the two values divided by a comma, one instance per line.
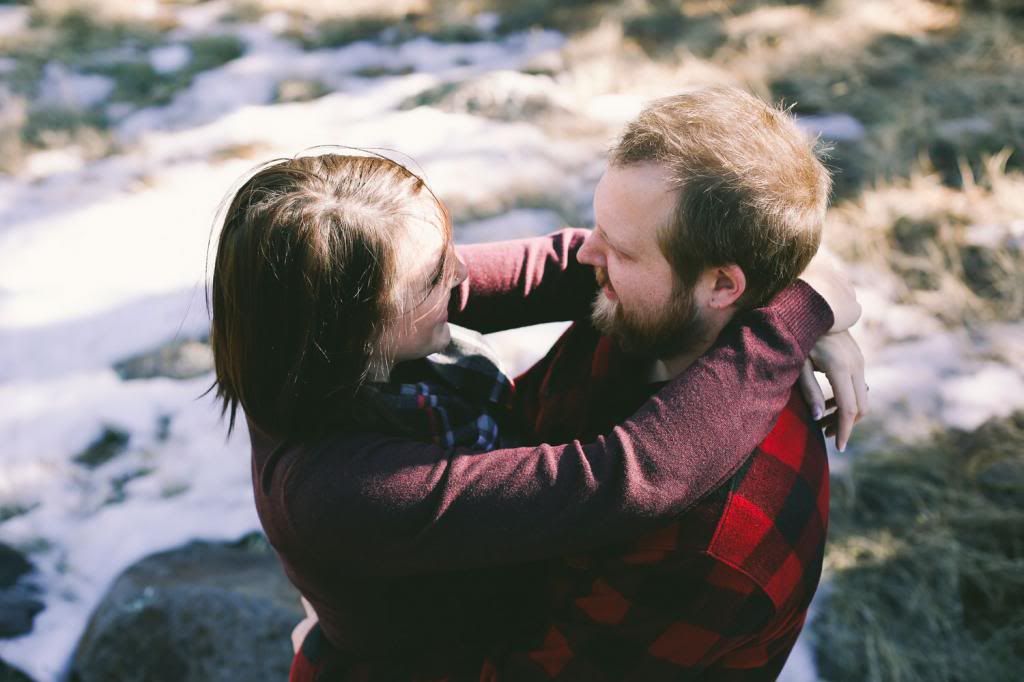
[182, 359]
[205, 611]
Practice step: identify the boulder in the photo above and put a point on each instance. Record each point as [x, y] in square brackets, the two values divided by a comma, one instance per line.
[203, 612]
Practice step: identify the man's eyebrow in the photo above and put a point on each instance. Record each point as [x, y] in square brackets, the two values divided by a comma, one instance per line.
[611, 243]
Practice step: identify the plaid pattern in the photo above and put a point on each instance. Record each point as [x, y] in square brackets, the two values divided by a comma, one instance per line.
[459, 400]
[723, 592]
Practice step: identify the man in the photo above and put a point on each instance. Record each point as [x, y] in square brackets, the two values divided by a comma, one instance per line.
[712, 205]
[712, 202]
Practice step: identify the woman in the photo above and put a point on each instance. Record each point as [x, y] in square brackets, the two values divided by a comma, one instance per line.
[421, 556]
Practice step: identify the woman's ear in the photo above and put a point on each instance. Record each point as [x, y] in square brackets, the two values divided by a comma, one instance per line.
[729, 284]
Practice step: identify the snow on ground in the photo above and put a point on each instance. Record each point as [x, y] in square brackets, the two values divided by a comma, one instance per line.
[104, 259]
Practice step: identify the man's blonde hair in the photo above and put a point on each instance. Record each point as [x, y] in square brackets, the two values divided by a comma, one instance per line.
[751, 188]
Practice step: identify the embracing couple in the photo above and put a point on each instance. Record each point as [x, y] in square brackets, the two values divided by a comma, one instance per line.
[647, 502]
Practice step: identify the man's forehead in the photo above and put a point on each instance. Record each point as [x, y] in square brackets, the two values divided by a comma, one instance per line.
[632, 202]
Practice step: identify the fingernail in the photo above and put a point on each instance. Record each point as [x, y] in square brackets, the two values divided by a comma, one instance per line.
[842, 448]
[817, 413]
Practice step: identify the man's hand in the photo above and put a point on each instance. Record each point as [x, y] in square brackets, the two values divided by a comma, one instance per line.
[835, 288]
[839, 357]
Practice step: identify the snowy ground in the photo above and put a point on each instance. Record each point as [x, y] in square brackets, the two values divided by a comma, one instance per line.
[100, 260]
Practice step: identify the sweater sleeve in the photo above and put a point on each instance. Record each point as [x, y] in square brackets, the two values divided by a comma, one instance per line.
[387, 505]
[522, 282]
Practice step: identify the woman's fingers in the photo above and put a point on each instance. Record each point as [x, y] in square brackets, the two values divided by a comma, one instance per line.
[300, 632]
[839, 357]
[811, 390]
[860, 386]
[846, 400]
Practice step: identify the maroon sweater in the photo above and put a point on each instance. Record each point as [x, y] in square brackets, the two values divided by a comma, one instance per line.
[407, 550]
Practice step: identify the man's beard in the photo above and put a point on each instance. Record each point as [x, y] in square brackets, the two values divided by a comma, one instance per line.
[677, 329]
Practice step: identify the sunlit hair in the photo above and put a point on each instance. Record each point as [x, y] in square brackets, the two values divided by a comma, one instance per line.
[751, 188]
[304, 287]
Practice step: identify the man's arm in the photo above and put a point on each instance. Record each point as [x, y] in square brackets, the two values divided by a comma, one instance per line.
[523, 282]
[400, 506]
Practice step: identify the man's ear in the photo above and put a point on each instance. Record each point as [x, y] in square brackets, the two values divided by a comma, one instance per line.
[729, 285]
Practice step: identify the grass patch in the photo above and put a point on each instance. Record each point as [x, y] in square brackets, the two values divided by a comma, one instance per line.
[953, 250]
[299, 90]
[382, 71]
[117, 493]
[568, 16]
[664, 27]
[86, 41]
[926, 558]
[111, 443]
[333, 33]
[946, 92]
[10, 511]
[140, 84]
[54, 127]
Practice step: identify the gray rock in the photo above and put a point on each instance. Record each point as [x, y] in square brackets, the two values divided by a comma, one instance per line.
[204, 612]
[180, 359]
[18, 597]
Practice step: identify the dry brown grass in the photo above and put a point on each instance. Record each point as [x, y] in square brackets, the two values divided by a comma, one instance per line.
[926, 562]
[957, 252]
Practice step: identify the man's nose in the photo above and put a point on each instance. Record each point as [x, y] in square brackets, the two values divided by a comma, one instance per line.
[590, 253]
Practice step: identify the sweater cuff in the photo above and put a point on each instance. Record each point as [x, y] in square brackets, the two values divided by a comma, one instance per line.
[803, 310]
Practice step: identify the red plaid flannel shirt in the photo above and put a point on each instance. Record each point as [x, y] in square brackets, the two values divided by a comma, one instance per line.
[720, 594]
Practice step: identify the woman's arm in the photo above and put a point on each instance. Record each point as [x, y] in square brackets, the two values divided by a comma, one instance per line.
[392, 505]
[523, 282]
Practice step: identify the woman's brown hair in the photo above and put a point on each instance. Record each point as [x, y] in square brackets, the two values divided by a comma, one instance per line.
[304, 287]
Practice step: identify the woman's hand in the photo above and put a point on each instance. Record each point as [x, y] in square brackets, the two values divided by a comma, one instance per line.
[304, 626]
[825, 278]
[839, 357]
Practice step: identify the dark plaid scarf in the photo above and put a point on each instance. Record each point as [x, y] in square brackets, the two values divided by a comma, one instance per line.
[456, 398]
